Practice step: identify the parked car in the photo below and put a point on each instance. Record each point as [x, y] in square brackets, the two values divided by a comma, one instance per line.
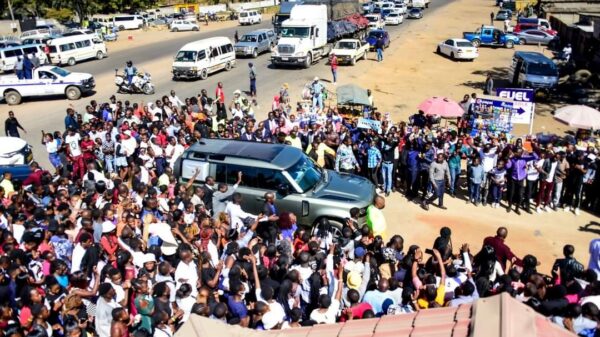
[491, 36]
[375, 21]
[458, 49]
[394, 19]
[367, 7]
[527, 26]
[375, 34]
[79, 31]
[535, 36]
[255, 43]
[27, 42]
[503, 14]
[350, 50]
[300, 186]
[400, 8]
[249, 17]
[183, 25]
[415, 13]
[15, 151]
[7, 44]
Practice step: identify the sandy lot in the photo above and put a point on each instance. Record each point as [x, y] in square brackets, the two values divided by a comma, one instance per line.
[411, 72]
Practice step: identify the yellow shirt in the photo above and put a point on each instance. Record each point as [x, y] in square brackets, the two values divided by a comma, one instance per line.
[8, 186]
[295, 142]
[439, 298]
[322, 150]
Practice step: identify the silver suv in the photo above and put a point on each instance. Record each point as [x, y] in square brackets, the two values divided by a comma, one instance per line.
[255, 43]
[300, 186]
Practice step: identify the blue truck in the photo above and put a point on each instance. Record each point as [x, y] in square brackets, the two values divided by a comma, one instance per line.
[491, 36]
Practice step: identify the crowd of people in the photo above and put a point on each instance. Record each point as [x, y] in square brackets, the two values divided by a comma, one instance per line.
[111, 243]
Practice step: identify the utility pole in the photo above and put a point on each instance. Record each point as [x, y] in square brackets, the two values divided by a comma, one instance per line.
[12, 16]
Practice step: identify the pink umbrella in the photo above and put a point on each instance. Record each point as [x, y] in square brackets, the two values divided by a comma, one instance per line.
[579, 116]
[441, 106]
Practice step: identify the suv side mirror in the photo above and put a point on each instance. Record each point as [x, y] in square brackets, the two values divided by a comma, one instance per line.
[317, 32]
[283, 190]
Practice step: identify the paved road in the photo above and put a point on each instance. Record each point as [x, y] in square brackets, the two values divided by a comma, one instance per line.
[156, 59]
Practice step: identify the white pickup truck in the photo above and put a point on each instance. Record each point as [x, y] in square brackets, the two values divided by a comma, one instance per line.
[46, 81]
[350, 50]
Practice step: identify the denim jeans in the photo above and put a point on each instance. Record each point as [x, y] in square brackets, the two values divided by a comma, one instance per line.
[387, 169]
[475, 189]
[496, 192]
[454, 176]
[334, 73]
[379, 55]
[318, 101]
[440, 189]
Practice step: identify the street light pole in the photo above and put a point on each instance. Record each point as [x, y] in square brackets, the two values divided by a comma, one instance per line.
[12, 16]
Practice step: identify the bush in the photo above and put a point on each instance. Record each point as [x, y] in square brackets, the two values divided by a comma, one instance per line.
[61, 15]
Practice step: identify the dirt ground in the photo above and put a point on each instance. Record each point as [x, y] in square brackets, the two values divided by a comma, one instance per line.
[410, 73]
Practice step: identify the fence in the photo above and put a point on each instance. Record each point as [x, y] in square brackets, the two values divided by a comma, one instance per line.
[585, 46]
[252, 5]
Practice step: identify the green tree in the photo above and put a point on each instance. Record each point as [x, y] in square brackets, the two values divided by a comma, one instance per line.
[61, 15]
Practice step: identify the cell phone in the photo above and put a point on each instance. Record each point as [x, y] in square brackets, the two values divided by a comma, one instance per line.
[428, 251]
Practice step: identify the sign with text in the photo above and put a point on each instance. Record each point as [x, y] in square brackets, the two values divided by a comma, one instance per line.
[366, 123]
[523, 104]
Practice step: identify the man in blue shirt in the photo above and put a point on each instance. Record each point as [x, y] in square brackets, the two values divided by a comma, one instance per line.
[373, 162]
[130, 71]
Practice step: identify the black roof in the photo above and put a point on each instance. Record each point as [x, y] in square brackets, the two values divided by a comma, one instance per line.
[276, 154]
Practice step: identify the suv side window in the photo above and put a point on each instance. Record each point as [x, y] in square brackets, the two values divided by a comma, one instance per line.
[201, 55]
[270, 179]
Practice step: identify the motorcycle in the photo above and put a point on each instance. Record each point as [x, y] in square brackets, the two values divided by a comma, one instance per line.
[140, 84]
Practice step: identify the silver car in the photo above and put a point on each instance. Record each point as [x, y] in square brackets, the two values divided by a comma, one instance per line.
[535, 36]
[255, 43]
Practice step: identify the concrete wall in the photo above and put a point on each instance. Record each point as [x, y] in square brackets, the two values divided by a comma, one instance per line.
[6, 28]
[252, 5]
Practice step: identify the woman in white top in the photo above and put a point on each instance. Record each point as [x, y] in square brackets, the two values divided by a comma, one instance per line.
[185, 300]
[52, 146]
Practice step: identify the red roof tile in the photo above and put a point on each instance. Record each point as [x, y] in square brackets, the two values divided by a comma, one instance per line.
[496, 316]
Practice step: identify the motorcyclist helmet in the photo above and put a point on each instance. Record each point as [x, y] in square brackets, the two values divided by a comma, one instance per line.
[129, 63]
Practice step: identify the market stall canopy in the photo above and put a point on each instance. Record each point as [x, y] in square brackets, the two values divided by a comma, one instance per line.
[579, 116]
[351, 94]
[441, 106]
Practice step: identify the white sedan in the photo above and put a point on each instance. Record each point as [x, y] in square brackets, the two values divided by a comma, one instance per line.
[458, 49]
[394, 19]
[183, 25]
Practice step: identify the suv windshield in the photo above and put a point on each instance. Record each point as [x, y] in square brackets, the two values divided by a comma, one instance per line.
[186, 56]
[541, 69]
[295, 32]
[345, 45]
[248, 38]
[306, 173]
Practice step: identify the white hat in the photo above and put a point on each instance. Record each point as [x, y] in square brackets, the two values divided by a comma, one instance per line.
[237, 92]
[316, 79]
[127, 132]
[270, 320]
[148, 257]
[108, 227]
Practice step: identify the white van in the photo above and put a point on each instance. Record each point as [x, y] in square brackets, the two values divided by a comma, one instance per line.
[103, 20]
[70, 50]
[200, 58]
[8, 56]
[128, 22]
[249, 17]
